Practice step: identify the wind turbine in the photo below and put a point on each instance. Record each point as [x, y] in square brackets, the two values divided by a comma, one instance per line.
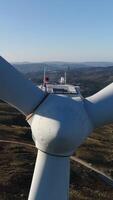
[59, 125]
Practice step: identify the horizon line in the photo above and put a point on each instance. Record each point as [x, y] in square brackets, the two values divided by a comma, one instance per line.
[28, 62]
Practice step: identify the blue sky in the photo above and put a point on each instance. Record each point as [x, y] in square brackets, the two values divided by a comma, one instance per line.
[56, 30]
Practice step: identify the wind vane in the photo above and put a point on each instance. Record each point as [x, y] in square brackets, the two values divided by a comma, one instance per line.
[59, 125]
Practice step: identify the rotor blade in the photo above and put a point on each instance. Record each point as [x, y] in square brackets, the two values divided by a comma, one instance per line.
[103, 176]
[51, 178]
[100, 106]
[16, 90]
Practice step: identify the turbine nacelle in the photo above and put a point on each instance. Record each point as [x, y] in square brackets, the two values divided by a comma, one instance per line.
[59, 125]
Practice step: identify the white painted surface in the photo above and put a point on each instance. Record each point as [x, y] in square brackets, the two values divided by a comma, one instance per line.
[60, 125]
[100, 106]
[51, 178]
[16, 90]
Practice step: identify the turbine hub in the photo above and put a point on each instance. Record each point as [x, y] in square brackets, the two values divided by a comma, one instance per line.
[60, 125]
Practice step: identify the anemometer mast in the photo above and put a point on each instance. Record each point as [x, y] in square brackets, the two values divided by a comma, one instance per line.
[59, 125]
[65, 78]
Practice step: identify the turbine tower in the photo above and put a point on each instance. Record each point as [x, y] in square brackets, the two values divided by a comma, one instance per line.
[59, 125]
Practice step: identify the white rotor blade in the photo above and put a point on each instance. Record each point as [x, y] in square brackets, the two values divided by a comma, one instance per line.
[17, 90]
[51, 178]
[100, 106]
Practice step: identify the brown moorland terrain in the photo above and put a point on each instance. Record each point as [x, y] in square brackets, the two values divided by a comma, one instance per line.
[17, 160]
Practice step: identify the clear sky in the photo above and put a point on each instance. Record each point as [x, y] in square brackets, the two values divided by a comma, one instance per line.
[56, 30]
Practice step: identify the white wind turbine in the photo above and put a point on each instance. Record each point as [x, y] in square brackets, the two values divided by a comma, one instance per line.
[59, 125]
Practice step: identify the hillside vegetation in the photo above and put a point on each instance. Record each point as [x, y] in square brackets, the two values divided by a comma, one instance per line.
[17, 160]
[90, 79]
